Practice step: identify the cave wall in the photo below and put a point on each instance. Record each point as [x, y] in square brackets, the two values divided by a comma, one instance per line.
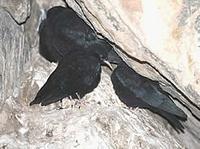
[159, 40]
[15, 50]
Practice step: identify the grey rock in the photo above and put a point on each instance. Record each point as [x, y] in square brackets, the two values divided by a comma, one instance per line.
[13, 54]
[18, 9]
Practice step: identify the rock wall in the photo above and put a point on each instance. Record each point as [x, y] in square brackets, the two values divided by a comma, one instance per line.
[14, 53]
[159, 39]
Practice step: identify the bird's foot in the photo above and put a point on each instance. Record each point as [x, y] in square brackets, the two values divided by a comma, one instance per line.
[64, 104]
[75, 103]
[60, 106]
[78, 102]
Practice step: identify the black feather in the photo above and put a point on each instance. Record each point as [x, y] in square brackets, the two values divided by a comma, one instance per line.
[64, 31]
[78, 72]
[138, 91]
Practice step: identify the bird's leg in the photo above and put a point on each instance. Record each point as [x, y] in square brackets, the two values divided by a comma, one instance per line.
[61, 104]
[72, 105]
[70, 97]
[78, 96]
[77, 101]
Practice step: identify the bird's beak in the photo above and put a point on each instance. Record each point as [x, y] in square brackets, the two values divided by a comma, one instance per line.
[108, 64]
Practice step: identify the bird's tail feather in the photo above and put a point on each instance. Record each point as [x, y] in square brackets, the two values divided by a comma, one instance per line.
[48, 99]
[40, 95]
[52, 98]
[174, 121]
[170, 107]
[35, 101]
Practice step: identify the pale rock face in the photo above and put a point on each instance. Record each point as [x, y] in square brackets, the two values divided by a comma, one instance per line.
[13, 54]
[18, 9]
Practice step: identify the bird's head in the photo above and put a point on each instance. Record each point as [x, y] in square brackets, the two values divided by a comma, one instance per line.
[102, 54]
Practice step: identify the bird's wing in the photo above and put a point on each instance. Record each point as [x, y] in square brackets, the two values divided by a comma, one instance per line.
[154, 97]
[148, 91]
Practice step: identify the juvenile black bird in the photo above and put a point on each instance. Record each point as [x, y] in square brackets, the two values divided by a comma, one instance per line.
[137, 91]
[63, 31]
[77, 74]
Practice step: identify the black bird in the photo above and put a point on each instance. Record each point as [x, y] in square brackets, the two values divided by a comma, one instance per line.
[77, 74]
[137, 91]
[63, 31]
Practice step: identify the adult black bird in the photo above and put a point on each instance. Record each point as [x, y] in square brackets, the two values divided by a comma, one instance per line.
[63, 31]
[77, 74]
[137, 91]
